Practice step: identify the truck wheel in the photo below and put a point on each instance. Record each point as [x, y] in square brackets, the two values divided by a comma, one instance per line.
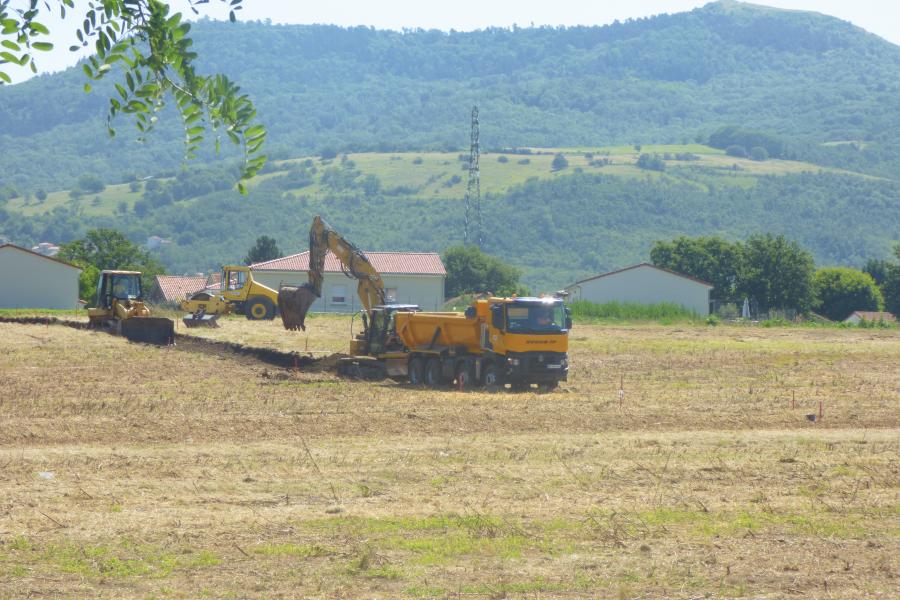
[258, 308]
[416, 371]
[433, 375]
[549, 386]
[492, 381]
[465, 376]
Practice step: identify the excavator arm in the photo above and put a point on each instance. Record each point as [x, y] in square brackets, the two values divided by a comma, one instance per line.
[294, 302]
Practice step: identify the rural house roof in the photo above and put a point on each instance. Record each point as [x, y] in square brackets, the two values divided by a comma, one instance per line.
[869, 315]
[176, 287]
[644, 264]
[56, 260]
[397, 263]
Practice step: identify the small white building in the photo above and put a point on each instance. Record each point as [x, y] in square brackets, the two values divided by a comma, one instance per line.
[858, 316]
[32, 280]
[409, 278]
[644, 284]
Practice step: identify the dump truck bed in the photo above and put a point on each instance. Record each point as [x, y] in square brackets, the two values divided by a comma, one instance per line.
[425, 329]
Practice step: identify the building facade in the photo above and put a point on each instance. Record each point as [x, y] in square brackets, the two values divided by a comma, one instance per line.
[32, 280]
[644, 284]
[409, 278]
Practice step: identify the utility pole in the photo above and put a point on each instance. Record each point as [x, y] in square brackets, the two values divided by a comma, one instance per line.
[473, 188]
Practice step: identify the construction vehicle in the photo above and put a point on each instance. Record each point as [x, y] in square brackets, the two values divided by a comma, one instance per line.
[239, 293]
[121, 309]
[495, 342]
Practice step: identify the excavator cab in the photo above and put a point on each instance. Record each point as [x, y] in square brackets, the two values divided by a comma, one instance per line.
[121, 308]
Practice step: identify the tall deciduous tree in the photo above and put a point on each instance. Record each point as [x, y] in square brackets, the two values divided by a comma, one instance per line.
[108, 249]
[264, 249]
[777, 272]
[841, 290]
[471, 270]
[153, 49]
[891, 286]
[711, 259]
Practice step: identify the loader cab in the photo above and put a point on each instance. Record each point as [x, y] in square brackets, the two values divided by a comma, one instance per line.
[123, 286]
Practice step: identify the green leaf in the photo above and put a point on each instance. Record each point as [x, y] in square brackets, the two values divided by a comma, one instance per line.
[5, 77]
[11, 45]
[42, 46]
[38, 27]
[87, 88]
[10, 57]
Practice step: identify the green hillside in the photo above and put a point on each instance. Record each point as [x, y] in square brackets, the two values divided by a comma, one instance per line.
[814, 95]
[443, 175]
[813, 80]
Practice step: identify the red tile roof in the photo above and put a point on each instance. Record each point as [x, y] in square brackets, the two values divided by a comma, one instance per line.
[677, 274]
[397, 263]
[173, 288]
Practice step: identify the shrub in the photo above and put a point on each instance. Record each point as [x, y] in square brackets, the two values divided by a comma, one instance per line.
[736, 151]
[502, 159]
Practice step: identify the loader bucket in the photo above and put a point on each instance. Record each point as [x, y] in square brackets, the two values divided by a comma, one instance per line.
[149, 330]
[204, 320]
[294, 303]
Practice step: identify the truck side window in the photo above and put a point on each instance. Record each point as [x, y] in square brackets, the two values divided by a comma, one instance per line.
[497, 316]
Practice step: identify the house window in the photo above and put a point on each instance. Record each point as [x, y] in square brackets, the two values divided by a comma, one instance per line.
[390, 294]
[339, 294]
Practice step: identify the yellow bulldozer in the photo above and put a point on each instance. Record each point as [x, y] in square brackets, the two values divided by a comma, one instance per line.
[239, 293]
[495, 342]
[121, 309]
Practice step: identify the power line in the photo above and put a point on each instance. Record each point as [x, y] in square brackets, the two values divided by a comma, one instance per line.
[473, 188]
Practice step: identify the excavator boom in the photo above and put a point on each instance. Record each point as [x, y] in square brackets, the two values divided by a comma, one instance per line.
[294, 302]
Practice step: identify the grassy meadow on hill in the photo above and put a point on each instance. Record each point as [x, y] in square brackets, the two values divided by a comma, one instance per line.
[677, 461]
[442, 175]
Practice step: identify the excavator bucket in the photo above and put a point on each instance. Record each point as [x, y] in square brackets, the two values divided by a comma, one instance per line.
[294, 303]
[149, 330]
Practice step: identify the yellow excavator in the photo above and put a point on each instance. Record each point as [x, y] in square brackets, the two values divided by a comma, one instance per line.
[495, 342]
[294, 302]
[121, 309]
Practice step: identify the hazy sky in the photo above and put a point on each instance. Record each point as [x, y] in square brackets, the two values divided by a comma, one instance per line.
[881, 17]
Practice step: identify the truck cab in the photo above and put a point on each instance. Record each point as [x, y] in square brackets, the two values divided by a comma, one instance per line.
[527, 339]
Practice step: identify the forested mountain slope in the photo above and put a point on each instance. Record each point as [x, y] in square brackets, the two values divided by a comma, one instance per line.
[805, 77]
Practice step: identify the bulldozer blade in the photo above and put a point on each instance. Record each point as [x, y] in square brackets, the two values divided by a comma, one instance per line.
[149, 330]
[294, 303]
[201, 321]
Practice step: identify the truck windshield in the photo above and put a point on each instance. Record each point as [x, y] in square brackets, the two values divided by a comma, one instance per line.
[536, 317]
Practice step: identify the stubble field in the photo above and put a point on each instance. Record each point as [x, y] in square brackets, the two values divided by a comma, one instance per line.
[677, 462]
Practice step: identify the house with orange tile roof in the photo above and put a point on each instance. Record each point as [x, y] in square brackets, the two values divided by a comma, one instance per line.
[409, 278]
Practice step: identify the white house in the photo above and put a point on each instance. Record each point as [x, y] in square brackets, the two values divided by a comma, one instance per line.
[409, 278]
[644, 284]
[32, 280]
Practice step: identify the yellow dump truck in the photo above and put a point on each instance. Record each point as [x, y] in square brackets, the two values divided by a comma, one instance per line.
[497, 341]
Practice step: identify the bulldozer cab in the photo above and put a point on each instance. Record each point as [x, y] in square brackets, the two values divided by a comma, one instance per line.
[118, 285]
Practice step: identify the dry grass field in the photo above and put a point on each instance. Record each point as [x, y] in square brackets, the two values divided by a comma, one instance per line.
[677, 462]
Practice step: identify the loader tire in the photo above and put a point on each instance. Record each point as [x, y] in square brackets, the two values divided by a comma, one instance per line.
[259, 308]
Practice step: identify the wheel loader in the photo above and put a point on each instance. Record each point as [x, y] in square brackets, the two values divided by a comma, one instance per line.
[121, 309]
[495, 342]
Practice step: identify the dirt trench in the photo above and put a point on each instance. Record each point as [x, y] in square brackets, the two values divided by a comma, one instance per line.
[192, 343]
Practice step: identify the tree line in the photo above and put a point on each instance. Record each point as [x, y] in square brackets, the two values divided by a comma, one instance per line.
[778, 274]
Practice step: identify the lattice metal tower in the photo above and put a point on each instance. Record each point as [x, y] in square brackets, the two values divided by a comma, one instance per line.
[473, 189]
